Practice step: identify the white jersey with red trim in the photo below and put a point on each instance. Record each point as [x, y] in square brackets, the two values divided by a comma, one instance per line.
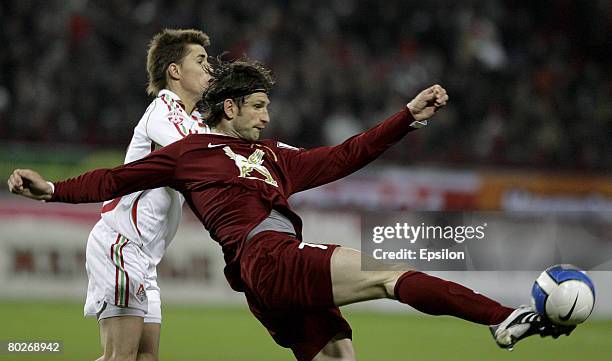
[151, 218]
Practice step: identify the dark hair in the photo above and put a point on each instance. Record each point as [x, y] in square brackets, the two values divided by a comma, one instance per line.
[233, 80]
[167, 47]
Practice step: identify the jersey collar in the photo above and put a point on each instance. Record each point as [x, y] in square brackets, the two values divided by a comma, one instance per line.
[174, 98]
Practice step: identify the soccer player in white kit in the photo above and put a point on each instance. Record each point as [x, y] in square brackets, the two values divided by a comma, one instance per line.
[126, 245]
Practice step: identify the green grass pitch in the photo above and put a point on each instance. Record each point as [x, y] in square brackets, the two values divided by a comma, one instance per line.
[195, 333]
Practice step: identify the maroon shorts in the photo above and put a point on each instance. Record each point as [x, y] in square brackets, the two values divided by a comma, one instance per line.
[289, 290]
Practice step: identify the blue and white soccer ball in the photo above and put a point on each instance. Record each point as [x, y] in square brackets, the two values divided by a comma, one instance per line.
[564, 294]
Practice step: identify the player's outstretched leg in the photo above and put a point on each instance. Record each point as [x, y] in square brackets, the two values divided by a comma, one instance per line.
[425, 293]
[431, 295]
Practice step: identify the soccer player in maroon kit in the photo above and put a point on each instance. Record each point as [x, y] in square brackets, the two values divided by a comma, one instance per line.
[238, 188]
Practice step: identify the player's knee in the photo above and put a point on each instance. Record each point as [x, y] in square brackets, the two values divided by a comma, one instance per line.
[390, 281]
[381, 284]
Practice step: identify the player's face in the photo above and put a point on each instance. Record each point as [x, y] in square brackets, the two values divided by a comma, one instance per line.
[252, 117]
[195, 70]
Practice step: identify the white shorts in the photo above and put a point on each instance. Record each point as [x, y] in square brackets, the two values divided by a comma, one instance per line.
[121, 279]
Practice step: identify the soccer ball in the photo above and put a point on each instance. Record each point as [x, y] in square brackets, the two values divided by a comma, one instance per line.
[564, 294]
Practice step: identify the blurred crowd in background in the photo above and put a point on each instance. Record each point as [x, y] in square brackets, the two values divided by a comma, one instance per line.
[530, 81]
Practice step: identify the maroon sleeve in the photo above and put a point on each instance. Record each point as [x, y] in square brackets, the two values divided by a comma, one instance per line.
[312, 168]
[155, 170]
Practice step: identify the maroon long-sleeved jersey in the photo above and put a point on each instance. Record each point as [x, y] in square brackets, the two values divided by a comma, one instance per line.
[232, 184]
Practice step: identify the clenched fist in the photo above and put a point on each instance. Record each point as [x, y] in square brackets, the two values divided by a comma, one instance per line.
[28, 183]
[427, 102]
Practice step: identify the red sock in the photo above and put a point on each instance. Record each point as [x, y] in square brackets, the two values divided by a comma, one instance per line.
[436, 296]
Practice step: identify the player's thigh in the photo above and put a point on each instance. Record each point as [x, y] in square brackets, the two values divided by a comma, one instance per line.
[149, 342]
[340, 348]
[121, 337]
[351, 284]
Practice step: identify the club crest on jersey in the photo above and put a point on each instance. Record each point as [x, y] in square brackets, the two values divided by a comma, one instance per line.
[254, 163]
[176, 117]
[141, 294]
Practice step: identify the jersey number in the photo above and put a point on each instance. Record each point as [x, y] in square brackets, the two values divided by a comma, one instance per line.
[304, 244]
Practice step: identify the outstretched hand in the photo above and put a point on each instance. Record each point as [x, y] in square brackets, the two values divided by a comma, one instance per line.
[427, 102]
[28, 183]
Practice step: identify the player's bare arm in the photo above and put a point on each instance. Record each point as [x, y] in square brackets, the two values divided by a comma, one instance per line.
[28, 183]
